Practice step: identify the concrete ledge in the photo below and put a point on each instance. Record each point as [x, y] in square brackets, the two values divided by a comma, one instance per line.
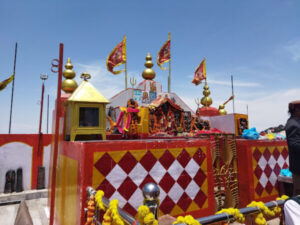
[24, 195]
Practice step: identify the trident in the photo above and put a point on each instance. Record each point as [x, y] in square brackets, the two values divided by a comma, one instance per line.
[198, 102]
[133, 83]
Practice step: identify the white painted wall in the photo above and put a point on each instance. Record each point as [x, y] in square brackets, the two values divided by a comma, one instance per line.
[13, 156]
[46, 163]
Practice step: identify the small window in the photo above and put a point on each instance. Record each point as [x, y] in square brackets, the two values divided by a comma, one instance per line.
[88, 117]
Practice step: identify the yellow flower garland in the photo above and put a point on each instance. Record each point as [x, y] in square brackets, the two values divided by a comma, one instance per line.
[144, 216]
[189, 220]
[264, 210]
[98, 198]
[277, 209]
[113, 207]
[239, 217]
[111, 216]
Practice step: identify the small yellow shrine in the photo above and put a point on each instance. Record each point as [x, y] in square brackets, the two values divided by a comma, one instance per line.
[85, 113]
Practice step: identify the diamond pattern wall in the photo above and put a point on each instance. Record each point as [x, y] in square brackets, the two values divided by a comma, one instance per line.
[181, 174]
[267, 162]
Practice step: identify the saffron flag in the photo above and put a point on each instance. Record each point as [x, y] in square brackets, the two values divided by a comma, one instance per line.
[200, 73]
[4, 83]
[164, 54]
[117, 57]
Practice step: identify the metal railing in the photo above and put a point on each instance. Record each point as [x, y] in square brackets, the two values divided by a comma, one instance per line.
[248, 211]
[245, 211]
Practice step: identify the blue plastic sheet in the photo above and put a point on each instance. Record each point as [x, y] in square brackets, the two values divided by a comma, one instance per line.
[286, 173]
[250, 134]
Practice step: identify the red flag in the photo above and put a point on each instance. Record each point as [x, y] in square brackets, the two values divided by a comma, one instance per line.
[200, 73]
[4, 83]
[117, 57]
[164, 54]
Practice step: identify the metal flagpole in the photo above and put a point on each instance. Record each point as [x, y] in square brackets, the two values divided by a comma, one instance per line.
[169, 81]
[232, 94]
[126, 74]
[13, 87]
[47, 112]
[125, 66]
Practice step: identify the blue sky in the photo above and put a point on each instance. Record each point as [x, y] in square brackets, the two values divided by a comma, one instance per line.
[258, 42]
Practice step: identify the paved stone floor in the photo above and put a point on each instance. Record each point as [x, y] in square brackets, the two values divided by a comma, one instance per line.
[37, 209]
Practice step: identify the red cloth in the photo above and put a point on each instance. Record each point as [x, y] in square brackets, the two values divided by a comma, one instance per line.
[208, 111]
[211, 131]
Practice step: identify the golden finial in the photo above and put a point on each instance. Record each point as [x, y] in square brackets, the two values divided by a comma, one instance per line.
[133, 83]
[206, 100]
[69, 85]
[222, 110]
[148, 73]
[85, 76]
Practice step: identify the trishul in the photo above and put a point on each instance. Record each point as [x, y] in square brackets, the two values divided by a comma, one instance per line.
[133, 83]
[198, 102]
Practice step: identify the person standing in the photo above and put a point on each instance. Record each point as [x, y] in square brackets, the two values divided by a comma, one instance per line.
[292, 129]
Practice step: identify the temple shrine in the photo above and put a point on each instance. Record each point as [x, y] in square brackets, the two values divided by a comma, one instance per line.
[143, 135]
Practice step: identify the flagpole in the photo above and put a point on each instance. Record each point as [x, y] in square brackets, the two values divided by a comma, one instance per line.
[232, 93]
[47, 113]
[13, 87]
[169, 81]
[126, 74]
[125, 64]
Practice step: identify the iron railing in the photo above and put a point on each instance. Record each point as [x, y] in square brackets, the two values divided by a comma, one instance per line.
[247, 211]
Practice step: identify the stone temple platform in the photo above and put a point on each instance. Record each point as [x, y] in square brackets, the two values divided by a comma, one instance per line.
[35, 201]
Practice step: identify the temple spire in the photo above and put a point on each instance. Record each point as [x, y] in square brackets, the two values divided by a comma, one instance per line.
[148, 73]
[69, 85]
[206, 101]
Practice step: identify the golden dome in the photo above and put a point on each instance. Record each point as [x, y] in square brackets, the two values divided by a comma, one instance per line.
[222, 110]
[69, 73]
[69, 85]
[148, 73]
[206, 100]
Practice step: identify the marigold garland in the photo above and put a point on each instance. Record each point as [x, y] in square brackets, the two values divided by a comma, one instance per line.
[189, 220]
[91, 211]
[144, 216]
[98, 198]
[114, 214]
[264, 210]
[277, 209]
[239, 217]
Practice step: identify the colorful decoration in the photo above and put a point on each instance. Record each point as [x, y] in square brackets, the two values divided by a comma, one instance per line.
[129, 117]
[4, 83]
[117, 57]
[200, 73]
